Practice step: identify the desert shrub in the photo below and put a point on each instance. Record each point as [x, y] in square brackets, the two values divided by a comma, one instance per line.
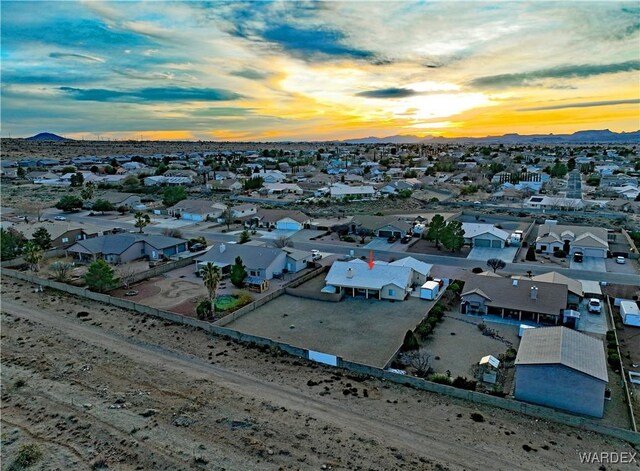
[203, 309]
[560, 254]
[614, 360]
[477, 270]
[424, 329]
[455, 287]
[440, 379]
[410, 342]
[28, 455]
[461, 382]
[348, 239]
[510, 354]
[477, 417]
[482, 326]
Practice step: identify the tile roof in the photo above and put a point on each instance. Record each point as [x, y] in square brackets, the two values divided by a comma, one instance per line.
[560, 345]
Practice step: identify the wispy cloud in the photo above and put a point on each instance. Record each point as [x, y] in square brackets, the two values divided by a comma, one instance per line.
[250, 74]
[564, 72]
[68, 55]
[588, 104]
[169, 94]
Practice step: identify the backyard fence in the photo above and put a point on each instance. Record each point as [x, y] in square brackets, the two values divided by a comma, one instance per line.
[359, 368]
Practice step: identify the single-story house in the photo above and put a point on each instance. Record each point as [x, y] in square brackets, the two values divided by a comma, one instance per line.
[554, 202]
[243, 210]
[338, 190]
[382, 281]
[121, 199]
[591, 241]
[197, 210]
[421, 270]
[282, 219]
[562, 368]
[484, 235]
[575, 292]
[260, 262]
[382, 226]
[297, 259]
[522, 299]
[229, 185]
[280, 189]
[63, 233]
[123, 248]
[271, 176]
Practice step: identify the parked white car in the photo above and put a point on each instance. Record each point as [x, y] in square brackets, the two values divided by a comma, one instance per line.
[620, 260]
[595, 306]
[316, 255]
[60, 218]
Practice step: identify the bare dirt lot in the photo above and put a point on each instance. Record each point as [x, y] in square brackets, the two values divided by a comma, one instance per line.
[363, 330]
[94, 387]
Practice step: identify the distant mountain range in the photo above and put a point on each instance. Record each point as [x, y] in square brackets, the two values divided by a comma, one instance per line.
[46, 136]
[580, 137]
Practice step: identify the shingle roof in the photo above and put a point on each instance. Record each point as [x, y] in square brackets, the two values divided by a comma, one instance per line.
[252, 256]
[503, 293]
[296, 254]
[473, 229]
[275, 215]
[377, 222]
[555, 277]
[117, 243]
[560, 345]
[416, 265]
[363, 277]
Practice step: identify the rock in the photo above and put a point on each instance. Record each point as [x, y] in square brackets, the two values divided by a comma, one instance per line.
[270, 451]
[149, 412]
[183, 421]
[87, 405]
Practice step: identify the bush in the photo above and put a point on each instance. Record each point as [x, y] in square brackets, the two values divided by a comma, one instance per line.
[477, 417]
[477, 270]
[424, 329]
[482, 326]
[28, 455]
[560, 254]
[511, 354]
[614, 360]
[440, 379]
[455, 287]
[348, 239]
[410, 342]
[461, 382]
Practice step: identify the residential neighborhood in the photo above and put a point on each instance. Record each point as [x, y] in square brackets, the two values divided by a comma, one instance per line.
[444, 264]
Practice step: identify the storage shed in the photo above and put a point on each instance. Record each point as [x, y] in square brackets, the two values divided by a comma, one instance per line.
[562, 368]
[429, 290]
[630, 313]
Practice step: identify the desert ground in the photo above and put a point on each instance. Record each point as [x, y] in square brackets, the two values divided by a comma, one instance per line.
[97, 387]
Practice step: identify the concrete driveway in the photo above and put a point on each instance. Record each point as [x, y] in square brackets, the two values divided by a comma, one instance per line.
[485, 253]
[593, 264]
[592, 323]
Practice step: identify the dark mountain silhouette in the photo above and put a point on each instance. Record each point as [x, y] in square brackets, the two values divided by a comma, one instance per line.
[46, 136]
[579, 137]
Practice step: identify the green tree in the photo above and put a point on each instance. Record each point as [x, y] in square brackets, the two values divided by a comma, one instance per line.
[69, 203]
[21, 172]
[173, 195]
[122, 209]
[211, 275]
[130, 183]
[142, 220]
[102, 206]
[42, 238]
[10, 242]
[253, 183]
[531, 254]
[453, 236]
[87, 191]
[99, 277]
[238, 273]
[77, 179]
[410, 342]
[228, 217]
[32, 254]
[571, 164]
[559, 170]
[436, 227]
[244, 236]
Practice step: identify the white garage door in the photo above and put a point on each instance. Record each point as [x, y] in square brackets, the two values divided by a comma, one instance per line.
[594, 253]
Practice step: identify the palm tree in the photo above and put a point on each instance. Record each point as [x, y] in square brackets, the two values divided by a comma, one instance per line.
[32, 254]
[211, 276]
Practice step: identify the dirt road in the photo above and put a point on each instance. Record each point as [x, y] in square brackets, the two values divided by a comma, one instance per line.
[96, 385]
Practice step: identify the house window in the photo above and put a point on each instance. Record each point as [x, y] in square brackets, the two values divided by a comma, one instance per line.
[79, 237]
[543, 248]
[65, 240]
[392, 292]
[253, 273]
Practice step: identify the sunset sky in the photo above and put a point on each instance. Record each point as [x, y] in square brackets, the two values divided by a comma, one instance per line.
[317, 70]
